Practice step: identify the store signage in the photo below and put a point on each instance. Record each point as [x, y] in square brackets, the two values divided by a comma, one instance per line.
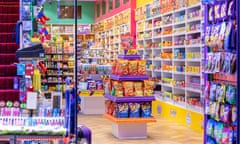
[173, 112]
[98, 93]
[84, 29]
[85, 93]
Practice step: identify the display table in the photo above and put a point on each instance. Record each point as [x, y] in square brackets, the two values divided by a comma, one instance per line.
[92, 104]
[129, 128]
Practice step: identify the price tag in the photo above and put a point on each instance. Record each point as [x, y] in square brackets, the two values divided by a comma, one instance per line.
[131, 52]
[85, 93]
[98, 93]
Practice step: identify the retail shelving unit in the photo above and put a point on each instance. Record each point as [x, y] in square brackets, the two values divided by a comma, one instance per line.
[129, 127]
[60, 54]
[109, 31]
[171, 44]
[221, 83]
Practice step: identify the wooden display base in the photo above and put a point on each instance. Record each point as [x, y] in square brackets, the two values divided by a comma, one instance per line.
[129, 128]
[92, 104]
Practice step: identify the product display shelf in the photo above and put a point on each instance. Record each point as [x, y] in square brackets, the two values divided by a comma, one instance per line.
[171, 44]
[109, 31]
[131, 127]
[221, 110]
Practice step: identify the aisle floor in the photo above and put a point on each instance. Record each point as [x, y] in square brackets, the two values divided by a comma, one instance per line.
[162, 132]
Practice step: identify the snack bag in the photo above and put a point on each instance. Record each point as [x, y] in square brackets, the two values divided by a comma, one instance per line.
[121, 110]
[134, 109]
[223, 13]
[231, 94]
[226, 112]
[141, 67]
[99, 84]
[227, 36]
[207, 35]
[225, 135]
[117, 89]
[92, 85]
[128, 88]
[122, 67]
[210, 126]
[146, 110]
[138, 88]
[220, 92]
[213, 88]
[217, 12]
[231, 9]
[211, 14]
[148, 87]
[221, 36]
[234, 115]
[133, 67]
[218, 129]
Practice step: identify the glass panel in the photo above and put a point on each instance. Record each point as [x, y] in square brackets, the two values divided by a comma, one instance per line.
[117, 3]
[125, 1]
[110, 5]
[98, 10]
[104, 7]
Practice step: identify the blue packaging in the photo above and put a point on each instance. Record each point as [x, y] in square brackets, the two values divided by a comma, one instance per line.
[134, 110]
[122, 110]
[146, 110]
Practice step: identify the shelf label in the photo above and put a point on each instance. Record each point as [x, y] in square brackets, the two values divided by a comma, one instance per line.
[188, 119]
[98, 93]
[85, 93]
[131, 52]
[173, 113]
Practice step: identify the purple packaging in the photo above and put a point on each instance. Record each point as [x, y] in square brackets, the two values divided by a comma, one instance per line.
[211, 13]
[223, 13]
[231, 9]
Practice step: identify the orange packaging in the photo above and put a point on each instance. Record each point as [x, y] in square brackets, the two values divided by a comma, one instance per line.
[128, 88]
[114, 65]
[133, 67]
[148, 87]
[138, 88]
[141, 67]
[117, 86]
[122, 67]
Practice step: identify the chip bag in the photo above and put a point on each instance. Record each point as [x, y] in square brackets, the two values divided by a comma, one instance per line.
[122, 67]
[138, 88]
[128, 89]
[148, 87]
[133, 67]
[118, 88]
[141, 67]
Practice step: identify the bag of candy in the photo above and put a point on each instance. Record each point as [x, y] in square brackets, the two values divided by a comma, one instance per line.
[231, 94]
[122, 110]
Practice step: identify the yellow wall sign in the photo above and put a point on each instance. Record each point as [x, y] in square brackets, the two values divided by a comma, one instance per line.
[98, 93]
[85, 93]
[180, 115]
[142, 2]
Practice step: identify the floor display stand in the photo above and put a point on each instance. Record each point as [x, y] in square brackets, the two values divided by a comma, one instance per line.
[127, 126]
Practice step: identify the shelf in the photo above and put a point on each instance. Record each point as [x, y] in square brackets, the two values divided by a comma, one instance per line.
[194, 32]
[194, 6]
[193, 45]
[179, 73]
[193, 90]
[194, 19]
[130, 99]
[179, 23]
[193, 74]
[193, 60]
[164, 84]
[127, 77]
[180, 10]
[129, 57]
[179, 60]
[129, 120]
[59, 53]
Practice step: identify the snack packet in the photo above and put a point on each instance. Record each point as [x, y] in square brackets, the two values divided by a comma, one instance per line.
[133, 67]
[134, 110]
[141, 67]
[138, 88]
[117, 88]
[122, 67]
[146, 109]
[128, 88]
[148, 87]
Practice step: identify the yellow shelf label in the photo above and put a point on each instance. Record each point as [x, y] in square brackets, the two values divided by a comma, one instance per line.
[98, 93]
[85, 93]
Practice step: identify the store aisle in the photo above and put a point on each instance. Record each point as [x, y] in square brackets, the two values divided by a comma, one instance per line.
[162, 132]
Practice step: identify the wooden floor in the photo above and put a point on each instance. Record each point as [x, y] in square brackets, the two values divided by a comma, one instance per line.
[162, 132]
